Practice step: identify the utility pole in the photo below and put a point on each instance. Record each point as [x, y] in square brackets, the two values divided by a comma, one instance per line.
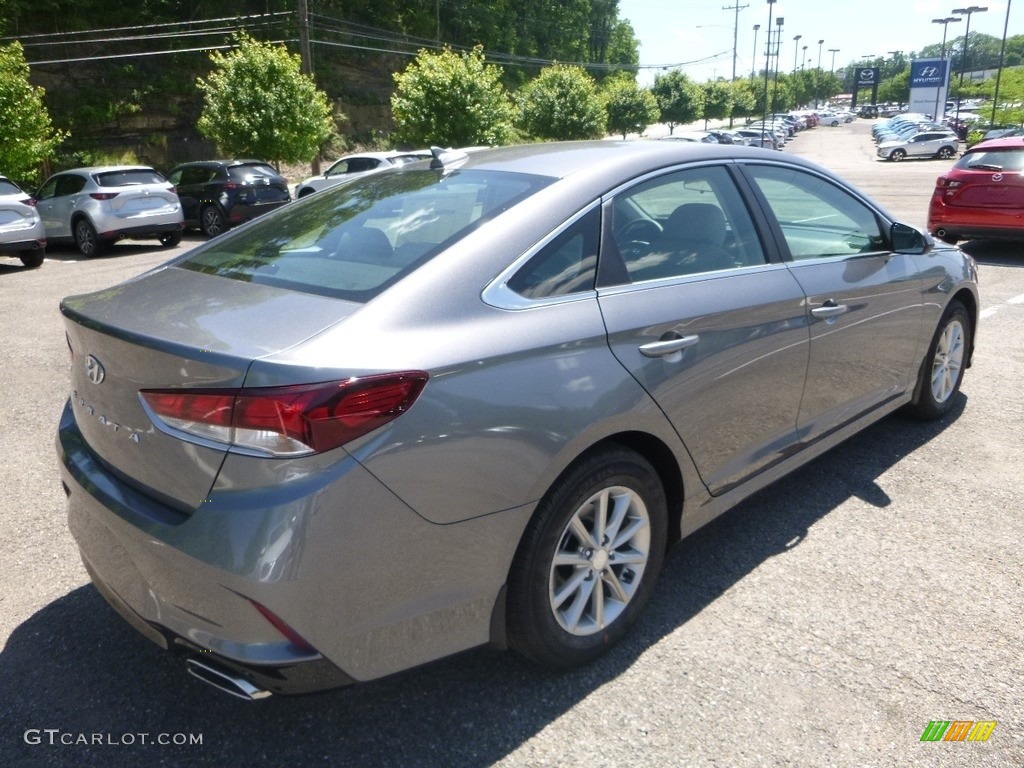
[735, 39]
[306, 59]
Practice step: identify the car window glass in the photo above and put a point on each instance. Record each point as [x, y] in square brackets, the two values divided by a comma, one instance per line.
[355, 244]
[8, 188]
[993, 160]
[195, 175]
[566, 265]
[69, 184]
[128, 177]
[684, 223]
[48, 189]
[241, 173]
[818, 219]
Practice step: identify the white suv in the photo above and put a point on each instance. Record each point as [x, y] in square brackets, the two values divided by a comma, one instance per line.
[94, 207]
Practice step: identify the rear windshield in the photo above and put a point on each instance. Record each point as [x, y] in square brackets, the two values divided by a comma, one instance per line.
[8, 188]
[247, 171]
[129, 177]
[1008, 159]
[354, 241]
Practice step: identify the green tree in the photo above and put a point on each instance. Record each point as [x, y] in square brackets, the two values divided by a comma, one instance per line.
[717, 100]
[28, 136]
[562, 103]
[679, 99]
[451, 99]
[630, 108]
[258, 103]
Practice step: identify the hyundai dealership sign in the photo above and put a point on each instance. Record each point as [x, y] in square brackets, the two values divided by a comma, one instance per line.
[928, 74]
[929, 81]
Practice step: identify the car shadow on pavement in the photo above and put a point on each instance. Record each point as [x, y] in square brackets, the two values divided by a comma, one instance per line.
[1003, 253]
[75, 672]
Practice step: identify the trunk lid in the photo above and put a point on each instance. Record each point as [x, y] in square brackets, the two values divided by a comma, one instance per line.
[168, 329]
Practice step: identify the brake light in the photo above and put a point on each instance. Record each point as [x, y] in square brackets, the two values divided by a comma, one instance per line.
[29, 201]
[289, 421]
[103, 195]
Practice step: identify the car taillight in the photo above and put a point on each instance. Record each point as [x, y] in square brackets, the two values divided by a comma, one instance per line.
[103, 195]
[29, 201]
[288, 421]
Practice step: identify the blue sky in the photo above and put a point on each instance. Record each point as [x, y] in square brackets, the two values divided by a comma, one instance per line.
[672, 32]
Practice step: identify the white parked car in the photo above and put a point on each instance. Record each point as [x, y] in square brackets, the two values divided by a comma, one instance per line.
[21, 229]
[351, 166]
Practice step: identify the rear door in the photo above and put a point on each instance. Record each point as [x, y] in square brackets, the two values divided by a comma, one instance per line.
[704, 321]
[864, 302]
[56, 202]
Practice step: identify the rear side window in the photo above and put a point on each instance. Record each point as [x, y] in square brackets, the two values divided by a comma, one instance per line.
[354, 241]
[128, 177]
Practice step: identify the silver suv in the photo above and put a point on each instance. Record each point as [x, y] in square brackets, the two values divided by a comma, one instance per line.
[94, 207]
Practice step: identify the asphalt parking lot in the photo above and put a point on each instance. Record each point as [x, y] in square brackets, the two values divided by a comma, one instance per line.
[824, 622]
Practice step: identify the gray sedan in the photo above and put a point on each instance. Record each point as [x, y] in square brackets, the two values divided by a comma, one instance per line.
[473, 401]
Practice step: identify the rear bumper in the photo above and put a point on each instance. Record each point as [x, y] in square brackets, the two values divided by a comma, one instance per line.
[20, 246]
[967, 223]
[370, 586]
[142, 231]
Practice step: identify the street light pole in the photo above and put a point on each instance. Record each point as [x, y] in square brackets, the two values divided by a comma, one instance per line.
[963, 57]
[753, 58]
[767, 59]
[1002, 54]
[817, 75]
[778, 55]
[892, 82]
[942, 56]
[796, 42]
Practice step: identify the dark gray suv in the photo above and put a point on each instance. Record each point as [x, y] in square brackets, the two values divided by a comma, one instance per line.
[216, 194]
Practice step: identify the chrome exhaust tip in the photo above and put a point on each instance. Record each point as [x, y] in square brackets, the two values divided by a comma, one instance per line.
[227, 682]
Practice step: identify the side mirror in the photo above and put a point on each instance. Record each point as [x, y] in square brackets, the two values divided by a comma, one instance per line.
[906, 239]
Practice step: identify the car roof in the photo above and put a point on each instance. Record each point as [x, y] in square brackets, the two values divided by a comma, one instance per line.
[107, 169]
[1003, 142]
[608, 162]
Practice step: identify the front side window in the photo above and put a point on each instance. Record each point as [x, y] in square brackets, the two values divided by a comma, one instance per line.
[683, 223]
[355, 241]
[817, 218]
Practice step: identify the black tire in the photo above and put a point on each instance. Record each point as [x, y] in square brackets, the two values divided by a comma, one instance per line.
[943, 368]
[212, 221]
[945, 153]
[607, 582]
[897, 154]
[86, 239]
[32, 259]
[171, 239]
[949, 237]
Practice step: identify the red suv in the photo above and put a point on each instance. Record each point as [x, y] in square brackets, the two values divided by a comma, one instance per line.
[982, 196]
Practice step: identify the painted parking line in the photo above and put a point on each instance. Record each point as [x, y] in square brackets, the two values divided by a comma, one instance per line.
[1016, 300]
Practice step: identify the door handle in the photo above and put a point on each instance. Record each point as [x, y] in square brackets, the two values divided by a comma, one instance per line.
[829, 310]
[668, 346]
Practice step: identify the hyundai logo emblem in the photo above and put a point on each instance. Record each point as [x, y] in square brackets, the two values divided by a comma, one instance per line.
[94, 370]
